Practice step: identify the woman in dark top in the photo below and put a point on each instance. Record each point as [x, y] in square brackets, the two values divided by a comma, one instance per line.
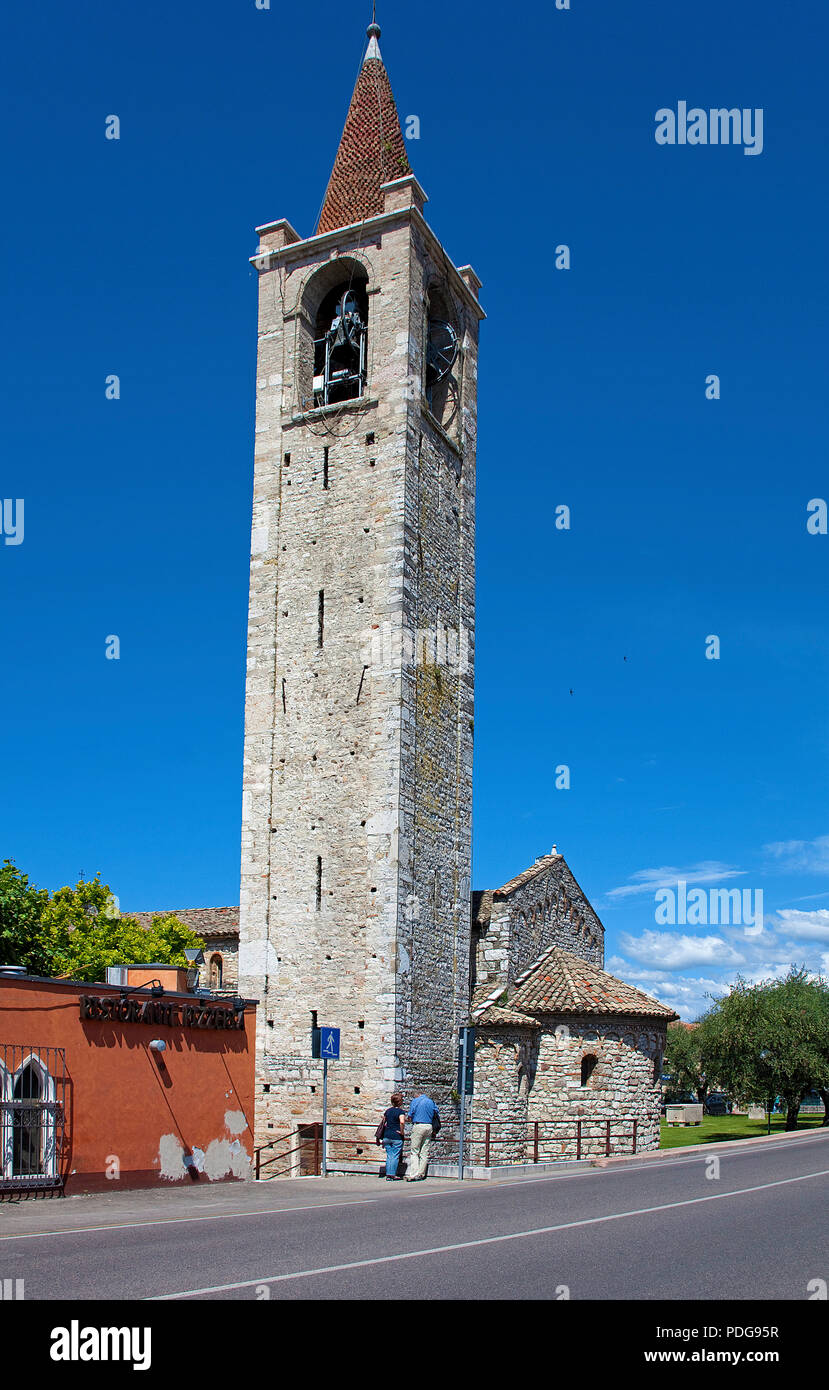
[393, 1121]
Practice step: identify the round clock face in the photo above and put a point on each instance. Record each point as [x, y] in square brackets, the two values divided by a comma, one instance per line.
[441, 386]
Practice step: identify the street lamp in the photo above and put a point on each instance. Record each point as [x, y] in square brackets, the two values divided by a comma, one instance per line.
[155, 987]
[195, 958]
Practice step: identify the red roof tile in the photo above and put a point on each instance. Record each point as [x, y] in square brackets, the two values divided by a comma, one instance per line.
[497, 1016]
[206, 921]
[372, 150]
[561, 983]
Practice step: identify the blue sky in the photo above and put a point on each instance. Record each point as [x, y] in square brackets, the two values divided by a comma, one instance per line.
[688, 515]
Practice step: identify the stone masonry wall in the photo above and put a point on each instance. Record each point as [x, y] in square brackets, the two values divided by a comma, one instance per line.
[549, 909]
[227, 949]
[436, 752]
[505, 1063]
[357, 772]
[521, 1077]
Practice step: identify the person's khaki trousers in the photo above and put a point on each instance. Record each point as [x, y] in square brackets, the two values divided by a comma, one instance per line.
[421, 1143]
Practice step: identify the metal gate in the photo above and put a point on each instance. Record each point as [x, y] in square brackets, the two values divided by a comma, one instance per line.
[32, 1117]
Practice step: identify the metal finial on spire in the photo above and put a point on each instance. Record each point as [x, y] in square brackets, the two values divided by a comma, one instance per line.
[373, 34]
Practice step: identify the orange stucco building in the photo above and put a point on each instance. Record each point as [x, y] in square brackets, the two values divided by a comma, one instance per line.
[137, 1084]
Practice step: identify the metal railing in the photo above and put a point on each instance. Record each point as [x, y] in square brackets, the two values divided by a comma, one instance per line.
[549, 1141]
[487, 1143]
[303, 1146]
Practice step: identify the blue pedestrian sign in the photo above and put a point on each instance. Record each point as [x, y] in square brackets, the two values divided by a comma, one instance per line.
[330, 1044]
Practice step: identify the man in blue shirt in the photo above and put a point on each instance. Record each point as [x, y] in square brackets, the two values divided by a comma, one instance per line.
[425, 1122]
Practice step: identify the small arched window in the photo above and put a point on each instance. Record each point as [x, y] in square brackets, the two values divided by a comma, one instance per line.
[215, 972]
[331, 335]
[33, 1137]
[588, 1065]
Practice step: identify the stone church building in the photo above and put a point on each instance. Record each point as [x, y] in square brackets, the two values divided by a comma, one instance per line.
[356, 907]
[568, 1059]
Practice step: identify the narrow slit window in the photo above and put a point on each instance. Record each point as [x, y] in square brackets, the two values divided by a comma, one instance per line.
[325, 468]
[319, 882]
[321, 618]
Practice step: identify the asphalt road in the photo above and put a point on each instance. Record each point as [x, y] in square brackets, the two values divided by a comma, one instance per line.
[651, 1229]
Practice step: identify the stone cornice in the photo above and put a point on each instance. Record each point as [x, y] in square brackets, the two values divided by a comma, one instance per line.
[323, 412]
[269, 258]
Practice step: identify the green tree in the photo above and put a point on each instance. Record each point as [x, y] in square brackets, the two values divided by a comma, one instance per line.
[86, 933]
[21, 921]
[769, 1039]
[684, 1061]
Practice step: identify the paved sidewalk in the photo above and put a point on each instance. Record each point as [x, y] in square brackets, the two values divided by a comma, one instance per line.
[199, 1201]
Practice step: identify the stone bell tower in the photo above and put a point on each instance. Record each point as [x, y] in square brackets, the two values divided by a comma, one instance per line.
[356, 838]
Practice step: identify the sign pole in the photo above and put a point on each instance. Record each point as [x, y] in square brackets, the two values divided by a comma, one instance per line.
[463, 1103]
[324, 1116]
[325, 1043]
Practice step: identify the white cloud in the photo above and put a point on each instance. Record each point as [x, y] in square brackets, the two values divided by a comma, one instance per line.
[648, 880]
[657, 962]
[690, 996]
[801, 856]
[672, 952]
[804, 926]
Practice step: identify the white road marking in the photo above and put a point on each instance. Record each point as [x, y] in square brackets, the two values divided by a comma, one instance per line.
[471, 1244]
[183, 1220]
[469, 1186]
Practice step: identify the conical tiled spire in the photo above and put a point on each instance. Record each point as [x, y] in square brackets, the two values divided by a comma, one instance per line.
[372, 150]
